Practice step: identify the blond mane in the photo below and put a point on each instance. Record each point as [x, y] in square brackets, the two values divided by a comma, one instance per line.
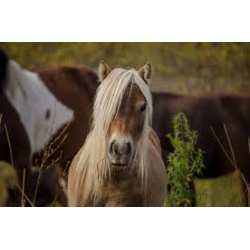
[93, 167]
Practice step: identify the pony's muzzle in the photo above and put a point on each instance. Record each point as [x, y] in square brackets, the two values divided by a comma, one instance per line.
[120, 152]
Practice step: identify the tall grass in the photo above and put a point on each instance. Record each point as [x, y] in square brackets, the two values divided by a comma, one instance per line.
[232, 159]
[8, 178]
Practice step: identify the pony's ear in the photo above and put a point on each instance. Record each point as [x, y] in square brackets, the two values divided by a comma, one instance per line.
[104, 70]
[145, 73]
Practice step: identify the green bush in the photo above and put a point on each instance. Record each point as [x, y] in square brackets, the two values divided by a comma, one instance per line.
[184, 163]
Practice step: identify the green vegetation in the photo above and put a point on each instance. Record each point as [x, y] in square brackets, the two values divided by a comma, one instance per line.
[184, 163]
[220, 192]
[192, 67]
[189, 68]
[7, 180]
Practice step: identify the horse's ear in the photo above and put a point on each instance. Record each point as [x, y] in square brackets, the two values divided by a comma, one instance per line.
[104, 70]
[145, 73]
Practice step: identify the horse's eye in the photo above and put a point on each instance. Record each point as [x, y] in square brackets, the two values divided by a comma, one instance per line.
[143, 107]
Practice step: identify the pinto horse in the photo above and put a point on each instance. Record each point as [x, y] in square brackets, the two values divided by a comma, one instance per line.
[206, 113]
[120, 163]
[45, 120]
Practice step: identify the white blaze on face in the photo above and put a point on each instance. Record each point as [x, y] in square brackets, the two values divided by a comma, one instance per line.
[40, 112]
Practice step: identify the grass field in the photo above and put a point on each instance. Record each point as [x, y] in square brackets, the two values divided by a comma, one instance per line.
[221, 192]
[184, 68]
[206, 61]
[7, 179]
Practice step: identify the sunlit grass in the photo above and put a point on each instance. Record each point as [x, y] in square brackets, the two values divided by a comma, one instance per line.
[220, 192]
[7, 180]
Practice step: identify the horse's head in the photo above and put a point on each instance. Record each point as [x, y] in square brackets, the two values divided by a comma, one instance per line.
[3, 67]
[126, 127]
[119, 134]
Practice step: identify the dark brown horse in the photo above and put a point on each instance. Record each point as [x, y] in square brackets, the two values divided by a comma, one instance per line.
[203, 113]
[45, 121]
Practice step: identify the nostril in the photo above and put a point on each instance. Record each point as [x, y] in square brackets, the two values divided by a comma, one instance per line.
[112, 147]
[129, 148]
[119, 149]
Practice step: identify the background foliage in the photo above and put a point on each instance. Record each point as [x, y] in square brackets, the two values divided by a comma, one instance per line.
[178, 67]
[187, 68]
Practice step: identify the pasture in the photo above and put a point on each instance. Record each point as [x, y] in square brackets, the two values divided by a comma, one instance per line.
[211, 192]
[189, 69]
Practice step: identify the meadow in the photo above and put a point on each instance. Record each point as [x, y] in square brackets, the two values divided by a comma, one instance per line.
[184, 68]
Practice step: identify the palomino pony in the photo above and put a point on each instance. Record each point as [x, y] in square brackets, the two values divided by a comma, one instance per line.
[120, 163]
[204, 113]
[45, 122]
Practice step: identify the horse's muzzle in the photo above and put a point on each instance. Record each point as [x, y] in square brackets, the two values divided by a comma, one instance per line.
[120, 152]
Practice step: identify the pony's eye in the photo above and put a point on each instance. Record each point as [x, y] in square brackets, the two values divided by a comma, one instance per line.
[143, 107]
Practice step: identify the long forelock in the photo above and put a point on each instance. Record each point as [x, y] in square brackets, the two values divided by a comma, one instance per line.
[110, 93]
[93, 165]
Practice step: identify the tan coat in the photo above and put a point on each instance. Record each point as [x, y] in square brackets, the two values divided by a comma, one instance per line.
[124, 189]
